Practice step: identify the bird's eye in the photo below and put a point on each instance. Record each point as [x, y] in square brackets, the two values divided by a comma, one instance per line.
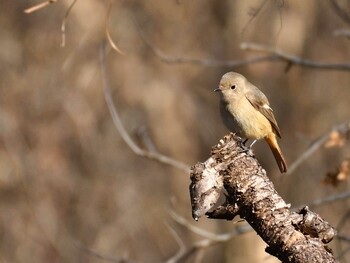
[233, 86]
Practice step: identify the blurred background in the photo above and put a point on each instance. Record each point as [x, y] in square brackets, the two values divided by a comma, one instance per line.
[71, 190]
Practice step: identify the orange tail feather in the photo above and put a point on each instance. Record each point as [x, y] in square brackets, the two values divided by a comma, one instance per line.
[277, 153]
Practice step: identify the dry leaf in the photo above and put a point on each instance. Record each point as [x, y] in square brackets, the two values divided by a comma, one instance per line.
[341, 175]
[335, 139]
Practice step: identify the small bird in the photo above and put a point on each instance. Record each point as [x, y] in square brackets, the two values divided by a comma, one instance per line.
[246, 111]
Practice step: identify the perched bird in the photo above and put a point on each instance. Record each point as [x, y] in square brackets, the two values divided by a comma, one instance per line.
[246, 111]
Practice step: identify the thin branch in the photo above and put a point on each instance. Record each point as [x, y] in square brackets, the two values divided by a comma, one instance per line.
[342, 254]
[211, 239]
[253, 14]
[330, 199]
[39, 6]
[318, 143]
[292, 59]
[274, 55]
[205, 243]
[63, 25]
[340, 11]
[342, 32]
[181, 244]
[120, 127]
[206, 234]
[107, 31]
[197, 61]
[144, 136]
[339, 227]
[343, 238]
[194, 229]
[100, 256]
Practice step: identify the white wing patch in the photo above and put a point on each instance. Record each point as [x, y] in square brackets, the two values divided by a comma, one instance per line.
[267, 107]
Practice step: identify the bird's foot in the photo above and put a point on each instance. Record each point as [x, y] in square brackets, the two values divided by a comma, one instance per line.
[247, 149]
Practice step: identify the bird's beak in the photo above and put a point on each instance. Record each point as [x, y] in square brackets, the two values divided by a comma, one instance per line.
[217, 89]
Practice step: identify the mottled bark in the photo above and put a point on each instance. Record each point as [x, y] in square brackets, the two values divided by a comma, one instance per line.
[290, 236]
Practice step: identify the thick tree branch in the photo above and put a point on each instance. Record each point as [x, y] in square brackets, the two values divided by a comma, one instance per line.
[291, 236]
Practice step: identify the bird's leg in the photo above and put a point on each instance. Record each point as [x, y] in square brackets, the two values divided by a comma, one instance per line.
[251, 145]
[246, 149]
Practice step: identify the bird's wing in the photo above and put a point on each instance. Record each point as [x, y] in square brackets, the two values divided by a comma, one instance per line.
[260, 103]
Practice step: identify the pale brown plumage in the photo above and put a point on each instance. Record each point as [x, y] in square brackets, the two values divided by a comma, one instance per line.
[246, 111]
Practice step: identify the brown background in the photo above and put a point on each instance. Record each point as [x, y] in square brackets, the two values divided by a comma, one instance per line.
[69, 183]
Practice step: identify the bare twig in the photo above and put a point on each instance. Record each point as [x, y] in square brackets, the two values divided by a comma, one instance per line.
[100, 256]
[344, 238]
[316, 145]
[196, 61]
[253, 14]
[181, 244]
[144, 136]
[340, 11]
[330, 199]
[211, 239]
[108, 34]
[207, 242]
[274, 55]
[39, 6]
[342, 254]
[206, 234]
[342, 32]
[280, 55]
[120, 127]
[63, 25]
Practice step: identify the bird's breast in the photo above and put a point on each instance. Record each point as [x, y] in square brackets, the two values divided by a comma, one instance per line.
[242, 118]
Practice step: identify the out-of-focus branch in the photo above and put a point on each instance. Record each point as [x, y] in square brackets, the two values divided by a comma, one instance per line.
[280, 55]
[210, 239]
[330, 199]
[63, 25]
[197, 61]
[120, 127]
[318, 143]
[253, 14]
[344, 238]
[340, 11]
[342, 32]
[107, 31]
[206, 234]
[100, 256]
[39, 6]
[274, 55]
[291, 236]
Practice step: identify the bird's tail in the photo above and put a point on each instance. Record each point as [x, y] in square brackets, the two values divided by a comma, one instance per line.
[272, 142]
